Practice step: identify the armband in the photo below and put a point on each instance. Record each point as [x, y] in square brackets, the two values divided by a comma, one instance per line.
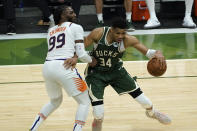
[82, 54]
[150, 53]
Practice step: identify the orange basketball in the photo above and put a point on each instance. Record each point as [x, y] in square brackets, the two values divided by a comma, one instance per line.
[153, 67]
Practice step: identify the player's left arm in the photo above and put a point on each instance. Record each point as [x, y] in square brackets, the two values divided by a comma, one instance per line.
[150, 53]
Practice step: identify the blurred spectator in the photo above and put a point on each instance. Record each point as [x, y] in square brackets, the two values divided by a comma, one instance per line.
[47, 14]
[10, 16]
[128, 8]
[153, 21]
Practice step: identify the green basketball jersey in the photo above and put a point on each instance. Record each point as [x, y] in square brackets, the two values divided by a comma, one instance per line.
[108, 55]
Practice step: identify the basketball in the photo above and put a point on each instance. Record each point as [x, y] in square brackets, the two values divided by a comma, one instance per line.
[153, 67]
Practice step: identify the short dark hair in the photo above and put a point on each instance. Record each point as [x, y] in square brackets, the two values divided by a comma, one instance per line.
[119, 22]
[57, 13]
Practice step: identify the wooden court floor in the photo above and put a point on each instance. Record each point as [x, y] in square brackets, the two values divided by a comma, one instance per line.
[22, 94]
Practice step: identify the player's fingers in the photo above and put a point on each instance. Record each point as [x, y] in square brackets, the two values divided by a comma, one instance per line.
[164, 64]
[67, 66]
[67, 63]
[73, 67]
[161, 63]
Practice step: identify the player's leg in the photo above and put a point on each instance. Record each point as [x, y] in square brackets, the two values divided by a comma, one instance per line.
[96, 86]
[126, 84]
[55, 93]
[77, 88]
[145, 102]
[99, 12]
[96, 94]
[98, 113]
[82, 111]
[188, 21]
[153, 21]
[128, 9]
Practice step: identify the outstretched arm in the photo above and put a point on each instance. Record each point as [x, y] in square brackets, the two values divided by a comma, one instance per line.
[150, 53]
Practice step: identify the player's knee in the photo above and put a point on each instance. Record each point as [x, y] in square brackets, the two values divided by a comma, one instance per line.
[136, 93]
[57, 101]
[83, 98]
[98, 112]
[85, 101]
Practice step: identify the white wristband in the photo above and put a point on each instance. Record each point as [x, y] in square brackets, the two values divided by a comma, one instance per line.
[150, 53]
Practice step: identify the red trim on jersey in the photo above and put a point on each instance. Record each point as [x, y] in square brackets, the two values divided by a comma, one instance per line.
[80, 122]
[41, 115]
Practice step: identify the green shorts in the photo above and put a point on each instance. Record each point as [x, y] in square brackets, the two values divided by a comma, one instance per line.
[119, 79]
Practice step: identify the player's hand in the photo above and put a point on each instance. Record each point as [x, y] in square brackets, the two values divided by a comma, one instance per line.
[70, 63]
[93, 63]
[160, 58]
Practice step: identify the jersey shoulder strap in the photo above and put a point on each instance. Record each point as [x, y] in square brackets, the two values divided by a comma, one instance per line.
[105, 30]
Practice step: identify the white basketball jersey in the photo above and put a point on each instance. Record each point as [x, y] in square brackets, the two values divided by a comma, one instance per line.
[61, 40]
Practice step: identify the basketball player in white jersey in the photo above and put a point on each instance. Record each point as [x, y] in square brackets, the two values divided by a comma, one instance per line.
[64, 39]
[153, 22]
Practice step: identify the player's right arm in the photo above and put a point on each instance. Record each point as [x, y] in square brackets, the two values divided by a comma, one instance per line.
[93, 37]
[79, 44]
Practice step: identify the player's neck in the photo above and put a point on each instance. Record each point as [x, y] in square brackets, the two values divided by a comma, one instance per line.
[109, 38]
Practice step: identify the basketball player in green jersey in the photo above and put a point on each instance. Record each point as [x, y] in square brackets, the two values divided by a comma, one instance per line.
[109, 46]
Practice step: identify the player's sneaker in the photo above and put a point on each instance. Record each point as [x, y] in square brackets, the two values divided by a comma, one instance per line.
[188, 23]
[152, 23]
[100, 24]
[130, 26]
[162, 118]
[11, 30]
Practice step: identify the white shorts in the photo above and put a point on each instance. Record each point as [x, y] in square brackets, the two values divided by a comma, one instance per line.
[56, 77]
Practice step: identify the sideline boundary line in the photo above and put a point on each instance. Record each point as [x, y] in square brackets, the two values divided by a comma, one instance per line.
[24, 82]
[2, 66]
[137, 32]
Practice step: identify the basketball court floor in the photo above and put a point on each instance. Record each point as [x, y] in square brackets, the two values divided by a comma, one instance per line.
[22, 89]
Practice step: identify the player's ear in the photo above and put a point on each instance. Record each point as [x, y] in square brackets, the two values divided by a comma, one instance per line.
[113, 29]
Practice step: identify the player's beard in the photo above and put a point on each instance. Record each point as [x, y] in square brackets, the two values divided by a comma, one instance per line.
[72, 19]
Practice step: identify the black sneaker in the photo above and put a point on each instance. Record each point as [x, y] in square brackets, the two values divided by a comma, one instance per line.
[11, 30]
[100, 24]
[130, 27]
